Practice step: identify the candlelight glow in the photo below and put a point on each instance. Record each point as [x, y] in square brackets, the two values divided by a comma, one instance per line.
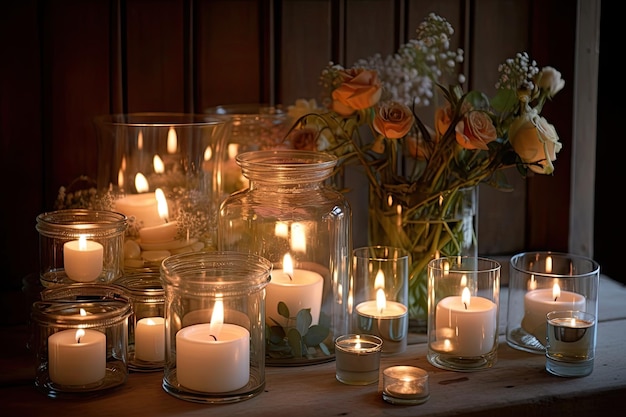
[288, 265]
[381, 301]
[161, 204]
[217, 318]
[465, 297]
[549, 264]
[556, 292]
[233, 150]
[172, 141]
[82, 242]
[532, 284]
[464, 280]
[281, 229]
[208, 153]
[140, 140]
[379, 281]
[298, 237]
[80, 333]
[157, 163]
[141, 183]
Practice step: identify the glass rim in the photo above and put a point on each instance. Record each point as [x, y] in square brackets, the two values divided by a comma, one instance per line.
[594, 268]
[486, 264]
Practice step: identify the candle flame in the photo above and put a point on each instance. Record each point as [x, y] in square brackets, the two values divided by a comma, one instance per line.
[298, 237]
[572, 322]
[208, 153]
[464, 280]
[82, 242]
[281, 229]
[549, 264]
[172, 141]
[217, 318]
[532, 285]
[157, 163]
[288, 265]
[379, 281]
[140, 140]
[556, 291]
[381, 300]
[80, 333]
[233, 150]
[161, 204]
[465, 297]
[358, 342]
[141, 183]
[82, 312]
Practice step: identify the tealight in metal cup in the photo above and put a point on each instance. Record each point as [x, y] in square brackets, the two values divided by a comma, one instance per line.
[570, 343]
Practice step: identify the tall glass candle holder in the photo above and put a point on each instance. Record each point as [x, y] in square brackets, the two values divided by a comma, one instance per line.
[163, 171]
[214, 325]
[463, 305]
[290, 217]
[146, 325]
[80, 245]
[543, 281]
[381, 295]
[80, 346]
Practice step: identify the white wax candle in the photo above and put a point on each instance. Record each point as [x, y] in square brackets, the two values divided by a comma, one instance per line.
[538, 303]
[298, 290]
[77, 357]
[82, 259]
[392, 310]
[471, 327]
[207, 365]
[161, 233]
[150, 339]
[143, 207]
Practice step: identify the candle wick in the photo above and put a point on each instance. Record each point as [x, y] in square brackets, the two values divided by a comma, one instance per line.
[465, 304]
[290, 278]
[555, 298]
[214, 338]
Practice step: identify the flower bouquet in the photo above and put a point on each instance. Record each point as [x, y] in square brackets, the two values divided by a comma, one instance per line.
[422, 175]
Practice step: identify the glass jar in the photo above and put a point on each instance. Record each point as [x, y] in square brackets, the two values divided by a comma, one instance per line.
[146, 325]
[162, 170]
[289, 216]
[80, 346]
[214, 325]
[80, 245]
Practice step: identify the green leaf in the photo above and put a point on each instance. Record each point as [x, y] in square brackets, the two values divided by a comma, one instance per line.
[316, 335]
[304, 320]
[283, 310]
[295, 341]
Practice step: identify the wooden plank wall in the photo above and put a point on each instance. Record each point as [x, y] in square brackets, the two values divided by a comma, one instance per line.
[66, 61]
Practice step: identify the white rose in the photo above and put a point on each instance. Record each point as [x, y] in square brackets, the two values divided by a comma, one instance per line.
[549, 79]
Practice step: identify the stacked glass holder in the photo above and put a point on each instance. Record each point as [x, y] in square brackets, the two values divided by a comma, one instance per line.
[164, 172]
[543, 281]
[80, 246]
[80, 346]
[146, 329]
[289, 216]
[214, 326]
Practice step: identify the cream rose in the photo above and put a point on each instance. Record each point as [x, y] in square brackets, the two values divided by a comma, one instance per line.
[475, 130]
[549, 79]
[359, 90]
[393, 120]
[535, 141]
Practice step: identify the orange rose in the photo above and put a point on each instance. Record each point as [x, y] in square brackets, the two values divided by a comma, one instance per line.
[359, 90]
[535, 141]
[393, 120]
[475, 130]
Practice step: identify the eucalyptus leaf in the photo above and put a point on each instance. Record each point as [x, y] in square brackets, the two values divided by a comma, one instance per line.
[295, 342]
[283, 310]
[304, 320]
[315, 335]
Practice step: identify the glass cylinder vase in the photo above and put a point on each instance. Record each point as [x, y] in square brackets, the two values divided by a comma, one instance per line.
[163, 171]
[443, 225]
[214, 325]
[289, 216]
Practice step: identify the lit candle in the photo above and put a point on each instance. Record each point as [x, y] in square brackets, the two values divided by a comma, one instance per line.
[213, 357]
[384, 318]
[77, 357]
[298, 288]
[537, 303]
[143, 207]
[357, 358]
[82, 259]
[150, 339]
[465, 325]
[405, 385]
[164, 232]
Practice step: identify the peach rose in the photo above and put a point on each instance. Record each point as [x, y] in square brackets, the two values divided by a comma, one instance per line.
[475, 130]
[359, 90]
[393, 120]
[535, 141]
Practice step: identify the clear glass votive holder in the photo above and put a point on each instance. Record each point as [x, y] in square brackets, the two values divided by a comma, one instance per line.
[146, 325]
[80, 245]
[571, 343]
[357, 358]
[463, 305]
[540, 282]
[380, 295]
[214, 325]
[405, 385]
[80, 346]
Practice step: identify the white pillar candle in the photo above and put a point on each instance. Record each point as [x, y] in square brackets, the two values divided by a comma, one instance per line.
[77, 357]
[143, 207]
[208, 365]
[469, 324]
[161, 233]
[386, 319]
[150, 339]
[82, 259]
[298, 288]
[538, 303]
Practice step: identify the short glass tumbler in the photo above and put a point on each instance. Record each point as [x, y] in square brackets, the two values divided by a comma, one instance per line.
[463, 305]
[405, 385]
[357, 358]
[214, 325]
[80, 246]
[80, 346]
[540, 282]
[571, 343]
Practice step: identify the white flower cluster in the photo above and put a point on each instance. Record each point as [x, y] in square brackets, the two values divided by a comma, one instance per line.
[409, 76]
[517, 73]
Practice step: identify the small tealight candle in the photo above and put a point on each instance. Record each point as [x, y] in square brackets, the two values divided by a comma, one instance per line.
[405, 385]
[82, 259]
[77, 357]
[150, 339]
[357, 358]
[161, 233]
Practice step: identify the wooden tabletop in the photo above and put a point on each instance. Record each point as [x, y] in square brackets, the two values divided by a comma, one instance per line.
[517, 385]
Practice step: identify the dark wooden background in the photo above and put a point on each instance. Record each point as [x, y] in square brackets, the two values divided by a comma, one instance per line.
[66, 61]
